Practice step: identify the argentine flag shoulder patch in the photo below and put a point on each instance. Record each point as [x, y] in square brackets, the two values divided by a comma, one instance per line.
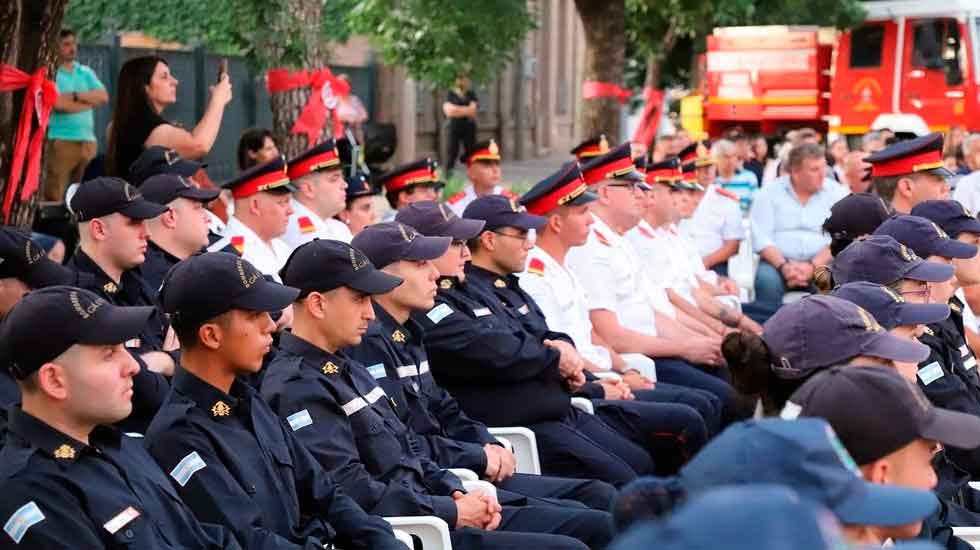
[23, 519]
[187, 467]
[930, 373]
[439, 313]
[299, 419]
[377, 371]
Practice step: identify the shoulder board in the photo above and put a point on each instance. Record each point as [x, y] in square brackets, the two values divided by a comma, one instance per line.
[456, 197]
[238, 243]
[646, 232]
[726, 193]
[306, 224]
[602, 238]
[536, 266]
[509, 194]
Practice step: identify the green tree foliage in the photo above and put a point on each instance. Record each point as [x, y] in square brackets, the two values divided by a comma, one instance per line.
[437, 39]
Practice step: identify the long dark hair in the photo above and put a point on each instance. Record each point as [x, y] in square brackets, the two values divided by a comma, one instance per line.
[748, 359]
[252, 140]
[132, 109]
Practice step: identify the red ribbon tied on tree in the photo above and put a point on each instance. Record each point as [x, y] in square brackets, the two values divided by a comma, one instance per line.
[593, 89]
[39, 98]
[326, 92]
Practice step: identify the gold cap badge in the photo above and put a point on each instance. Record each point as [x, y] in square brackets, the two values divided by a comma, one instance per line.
[220, 409]
[494, 150]
[603, 144]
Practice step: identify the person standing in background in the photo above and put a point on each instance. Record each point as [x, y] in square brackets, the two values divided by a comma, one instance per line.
[71, 132]
[460, 108]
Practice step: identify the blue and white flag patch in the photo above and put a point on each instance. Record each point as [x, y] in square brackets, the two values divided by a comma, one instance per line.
[299, 419]
[439, 313]
[22, 520]
[186, 468]
[377, 371]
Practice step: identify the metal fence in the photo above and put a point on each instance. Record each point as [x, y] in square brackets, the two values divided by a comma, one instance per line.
[196, 70]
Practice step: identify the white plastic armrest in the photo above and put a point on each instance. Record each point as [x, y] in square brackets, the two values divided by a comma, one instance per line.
[975, 485]
[432, 531]
[608, 376]
[969, 534]
[481, 485]
[405, 539]
[464, 474]
[506, 443]
[583, 405]
[525, 447]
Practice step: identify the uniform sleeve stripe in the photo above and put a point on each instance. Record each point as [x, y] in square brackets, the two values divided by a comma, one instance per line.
[359, 403]
[22, 520]
[424, 367]
[299, 419]
[186, 468]
[406, 371]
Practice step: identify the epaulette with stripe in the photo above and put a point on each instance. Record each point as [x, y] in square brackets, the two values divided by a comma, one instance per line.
[536, 266]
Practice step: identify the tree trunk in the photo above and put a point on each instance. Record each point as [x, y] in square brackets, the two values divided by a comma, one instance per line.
[28, 40]
[605, 58]
[287, 106]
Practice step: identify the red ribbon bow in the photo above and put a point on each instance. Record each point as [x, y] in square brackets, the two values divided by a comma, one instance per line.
[314, 116]
[39, 99]
[592, 89]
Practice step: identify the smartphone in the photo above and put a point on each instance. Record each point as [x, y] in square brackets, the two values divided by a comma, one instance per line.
[222, 68]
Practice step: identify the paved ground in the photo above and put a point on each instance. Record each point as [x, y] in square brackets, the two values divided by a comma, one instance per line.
[526, 173]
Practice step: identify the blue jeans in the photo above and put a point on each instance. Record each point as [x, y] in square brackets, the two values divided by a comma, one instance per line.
[769, 286]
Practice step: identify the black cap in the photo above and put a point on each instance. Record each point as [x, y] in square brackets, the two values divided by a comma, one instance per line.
[158, 159]
[888, 307]
[876, 412]
[435, 219]
[855, 215]
[165, 188]
[23, 259]
[322, 265]
[389, 242]
[269, 176]
[499, 211]
[47, 322]
[566, 186]
[883, 260]
[923, 155]
[925, 237]
[207, 285]
[358, 185]
[103, 196]
[951, 216]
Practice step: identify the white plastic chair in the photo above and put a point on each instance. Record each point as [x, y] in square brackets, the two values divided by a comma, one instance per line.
[465, 474]
[522, 442]
[405, 539]
[432, 531]
[969, 534]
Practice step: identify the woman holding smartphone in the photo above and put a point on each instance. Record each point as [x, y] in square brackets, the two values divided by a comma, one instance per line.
[145, 89]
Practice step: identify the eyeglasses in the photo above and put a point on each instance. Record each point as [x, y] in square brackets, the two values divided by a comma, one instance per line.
[530, 237]
[923, 292]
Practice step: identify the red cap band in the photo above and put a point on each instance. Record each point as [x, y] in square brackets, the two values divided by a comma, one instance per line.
[261, 183]
[314, 163]
[401, 181]
[612, 169]
[928, 160]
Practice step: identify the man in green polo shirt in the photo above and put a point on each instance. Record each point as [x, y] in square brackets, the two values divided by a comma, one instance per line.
[71, 132]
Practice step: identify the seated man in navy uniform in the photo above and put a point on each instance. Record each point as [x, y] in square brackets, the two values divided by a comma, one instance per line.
[69, 479]
[228, 456]
[392, 347]
[670, 432]
[181, 230]
[113, 235]
[502, 374]
[339, 412]
[23, 267]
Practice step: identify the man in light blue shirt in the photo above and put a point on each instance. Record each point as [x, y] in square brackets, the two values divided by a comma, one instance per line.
[71, 131]
[731, 176]
[787, 216]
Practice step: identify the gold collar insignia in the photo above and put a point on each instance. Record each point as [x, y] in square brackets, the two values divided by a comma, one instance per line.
[330, 368]
[220, 409]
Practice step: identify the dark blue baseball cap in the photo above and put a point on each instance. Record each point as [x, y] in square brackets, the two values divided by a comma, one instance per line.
[888, 307]
[22, 258]
[390, 242]
[855, 215]
[819, 332]
[499, 211]
[806, 455]
[925, 237]
[322, 265]
[438, 220]
[206, 285]
[158, 159]
[883, 260]
[760, 517]
[951, 216]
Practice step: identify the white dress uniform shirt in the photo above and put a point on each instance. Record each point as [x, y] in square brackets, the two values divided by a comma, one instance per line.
[305, 225]
[717, 218]
[967, 191]
[266, 257]
[562, 299]
[610, 271]
[664, 264]
[461, 199]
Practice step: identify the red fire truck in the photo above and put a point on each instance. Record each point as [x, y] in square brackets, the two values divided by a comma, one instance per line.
[912, 66]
